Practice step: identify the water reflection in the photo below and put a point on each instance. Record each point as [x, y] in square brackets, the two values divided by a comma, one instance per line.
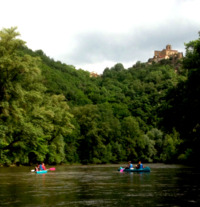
[165, 185]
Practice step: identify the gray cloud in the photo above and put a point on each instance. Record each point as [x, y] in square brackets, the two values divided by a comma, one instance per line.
[138, 44]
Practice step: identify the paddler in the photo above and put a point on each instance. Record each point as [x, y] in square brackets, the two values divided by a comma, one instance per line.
[130, 165]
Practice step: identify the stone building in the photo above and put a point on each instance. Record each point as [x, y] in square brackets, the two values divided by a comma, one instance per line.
[165, 54]
[93, 74]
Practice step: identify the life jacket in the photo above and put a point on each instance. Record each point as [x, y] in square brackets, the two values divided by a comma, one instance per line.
[141, 166]
[131, 166]
[41, 168]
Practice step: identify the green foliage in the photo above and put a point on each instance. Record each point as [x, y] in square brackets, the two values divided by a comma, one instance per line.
[181, 109]
[170, 147]
[192, 60]
[32, 122]
[156, 139]
[52, 112]
[187, 156]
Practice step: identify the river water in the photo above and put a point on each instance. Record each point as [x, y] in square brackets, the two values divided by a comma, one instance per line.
[100, 185]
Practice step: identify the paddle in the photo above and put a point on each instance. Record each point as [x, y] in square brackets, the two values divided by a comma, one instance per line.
[121, 169]
[52, 169]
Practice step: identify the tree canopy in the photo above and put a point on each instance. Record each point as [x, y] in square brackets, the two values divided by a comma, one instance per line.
[52, 112]
[33, 123]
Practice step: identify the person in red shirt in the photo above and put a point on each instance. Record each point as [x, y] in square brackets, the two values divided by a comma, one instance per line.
[43, 166]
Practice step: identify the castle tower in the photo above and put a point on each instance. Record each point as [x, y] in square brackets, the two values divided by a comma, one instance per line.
[168, 47]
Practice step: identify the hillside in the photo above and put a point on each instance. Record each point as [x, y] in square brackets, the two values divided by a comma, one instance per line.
[62, 115]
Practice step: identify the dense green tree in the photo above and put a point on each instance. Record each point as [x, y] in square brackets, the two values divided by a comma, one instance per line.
[181, 109]
[131, 137]
[157, 136]
[170, 147]
[192, 59]
[91, 145]
[32, 122]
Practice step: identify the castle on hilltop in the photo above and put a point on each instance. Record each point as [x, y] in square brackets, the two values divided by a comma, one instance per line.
[93, 74]
[165, 54]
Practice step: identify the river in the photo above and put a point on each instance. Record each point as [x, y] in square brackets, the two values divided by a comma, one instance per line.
[100, 185]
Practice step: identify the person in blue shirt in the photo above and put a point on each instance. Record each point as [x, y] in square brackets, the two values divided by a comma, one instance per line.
[139, 165]
[130, 165]
[40, 167]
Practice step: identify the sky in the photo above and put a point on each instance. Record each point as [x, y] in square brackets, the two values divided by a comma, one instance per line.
[96, 34]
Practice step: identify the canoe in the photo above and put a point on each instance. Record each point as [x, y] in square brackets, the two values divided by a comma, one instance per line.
[51, 169]
[146, 169]
[41, 171]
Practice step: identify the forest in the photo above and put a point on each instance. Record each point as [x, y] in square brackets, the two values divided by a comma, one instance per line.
[54, 113]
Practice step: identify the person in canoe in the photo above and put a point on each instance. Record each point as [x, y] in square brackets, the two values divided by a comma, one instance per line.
[42, 166]
[36, 168]
[139, 165]
[130, 165]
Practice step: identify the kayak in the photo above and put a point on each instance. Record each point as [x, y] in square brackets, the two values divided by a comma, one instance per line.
[146, 169]
[41, 171]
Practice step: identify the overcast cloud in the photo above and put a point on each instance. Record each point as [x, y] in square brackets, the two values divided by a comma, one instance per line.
[95, 34]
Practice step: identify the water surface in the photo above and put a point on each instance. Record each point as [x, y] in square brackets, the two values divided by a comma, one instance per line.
[100, 185]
